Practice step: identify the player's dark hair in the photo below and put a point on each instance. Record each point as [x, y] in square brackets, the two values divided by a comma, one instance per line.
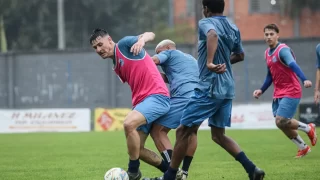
[272, 27]
[215, 6]
[96, 33]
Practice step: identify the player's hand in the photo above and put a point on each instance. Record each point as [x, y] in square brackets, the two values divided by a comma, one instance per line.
[257, 93]
[137, 47]
[217, 68]
[307, 83]
[316, 96]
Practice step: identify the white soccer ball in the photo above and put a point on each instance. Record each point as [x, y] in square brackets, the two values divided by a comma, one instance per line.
[116, 174]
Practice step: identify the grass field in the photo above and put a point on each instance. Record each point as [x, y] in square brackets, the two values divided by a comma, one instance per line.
[87, 156]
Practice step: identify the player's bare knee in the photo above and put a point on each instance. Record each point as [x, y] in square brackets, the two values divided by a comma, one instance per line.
[283, 123]
[217, 137]
[129, 125]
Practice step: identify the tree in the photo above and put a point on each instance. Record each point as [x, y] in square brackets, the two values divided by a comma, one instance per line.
[32, 24]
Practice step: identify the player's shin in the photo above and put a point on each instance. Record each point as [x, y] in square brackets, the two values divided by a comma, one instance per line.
[133, 145]
[167, 155]
[182, 136]
[218, 136]
[152, 158]
[192, 147]
[299, 142]
[161, 140]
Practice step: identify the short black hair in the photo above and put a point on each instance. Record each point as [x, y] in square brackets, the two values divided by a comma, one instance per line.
[215, 6]
[272, 27]
[96, 33]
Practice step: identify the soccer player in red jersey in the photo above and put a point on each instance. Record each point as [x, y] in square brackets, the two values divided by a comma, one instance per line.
[283, 72]
[150, 95]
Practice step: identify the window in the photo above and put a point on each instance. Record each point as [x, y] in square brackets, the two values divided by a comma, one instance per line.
[264, 6]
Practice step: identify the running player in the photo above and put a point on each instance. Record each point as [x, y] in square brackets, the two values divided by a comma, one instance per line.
[282, 72]
[219, 47]
[150, 96]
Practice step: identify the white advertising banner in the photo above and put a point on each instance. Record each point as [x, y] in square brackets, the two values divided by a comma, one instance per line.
[44, 120]
[253, 116]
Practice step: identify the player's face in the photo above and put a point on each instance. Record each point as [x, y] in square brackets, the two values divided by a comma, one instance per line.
[271, 37]
[104, 46]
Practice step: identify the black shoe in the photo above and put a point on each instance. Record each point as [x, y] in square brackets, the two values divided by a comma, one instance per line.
[258, 174]
[156, 178]
[134, 176]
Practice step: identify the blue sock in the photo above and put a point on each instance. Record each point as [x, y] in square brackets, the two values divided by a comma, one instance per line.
[246, 163]
[134, 166]
[170, 174]
[163, 167]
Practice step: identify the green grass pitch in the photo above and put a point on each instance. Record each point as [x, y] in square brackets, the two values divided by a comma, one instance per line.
[87, 156]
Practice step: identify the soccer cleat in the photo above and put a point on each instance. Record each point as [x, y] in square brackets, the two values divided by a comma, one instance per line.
[156, 178]
[312, 134]
[181, 175]
[134, 176]
[258, 174]
[303, 152]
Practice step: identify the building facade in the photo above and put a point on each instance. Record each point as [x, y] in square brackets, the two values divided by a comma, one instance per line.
[252, 15]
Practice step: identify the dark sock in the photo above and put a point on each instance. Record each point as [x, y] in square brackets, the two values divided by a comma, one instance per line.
[186, 163]
[170, 174]
[246, 163]
[163, 167]
[134, 166]
[166, 155]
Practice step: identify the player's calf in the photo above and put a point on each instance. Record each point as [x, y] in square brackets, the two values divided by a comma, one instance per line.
[161, 140]
[218, 136]
[150, 157]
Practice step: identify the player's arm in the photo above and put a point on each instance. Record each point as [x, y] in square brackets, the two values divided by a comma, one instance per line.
[161, 57]
[288, 59]
[208, 29]
[164, 77]
[147, 37]
[267, 82]
[138, 44]
[237, 52]
[235, 58]
[212, 45]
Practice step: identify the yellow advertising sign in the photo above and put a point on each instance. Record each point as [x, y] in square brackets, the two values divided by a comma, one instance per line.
[109, 119]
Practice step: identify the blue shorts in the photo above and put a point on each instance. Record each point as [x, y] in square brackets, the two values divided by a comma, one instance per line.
[285, 107]
[201, 107]
[152, 108]
[171, 120]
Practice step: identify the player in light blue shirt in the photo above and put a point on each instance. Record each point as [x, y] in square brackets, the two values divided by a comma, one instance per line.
[219, 46]
[317, 88]
[181, 73]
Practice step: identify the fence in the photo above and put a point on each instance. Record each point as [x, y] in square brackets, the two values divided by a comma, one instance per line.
[81, 79]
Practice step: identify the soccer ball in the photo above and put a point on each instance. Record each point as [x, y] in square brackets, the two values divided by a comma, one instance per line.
[116, 174]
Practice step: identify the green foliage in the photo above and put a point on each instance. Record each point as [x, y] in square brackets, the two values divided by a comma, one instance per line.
[32, 24]
[183, 33]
